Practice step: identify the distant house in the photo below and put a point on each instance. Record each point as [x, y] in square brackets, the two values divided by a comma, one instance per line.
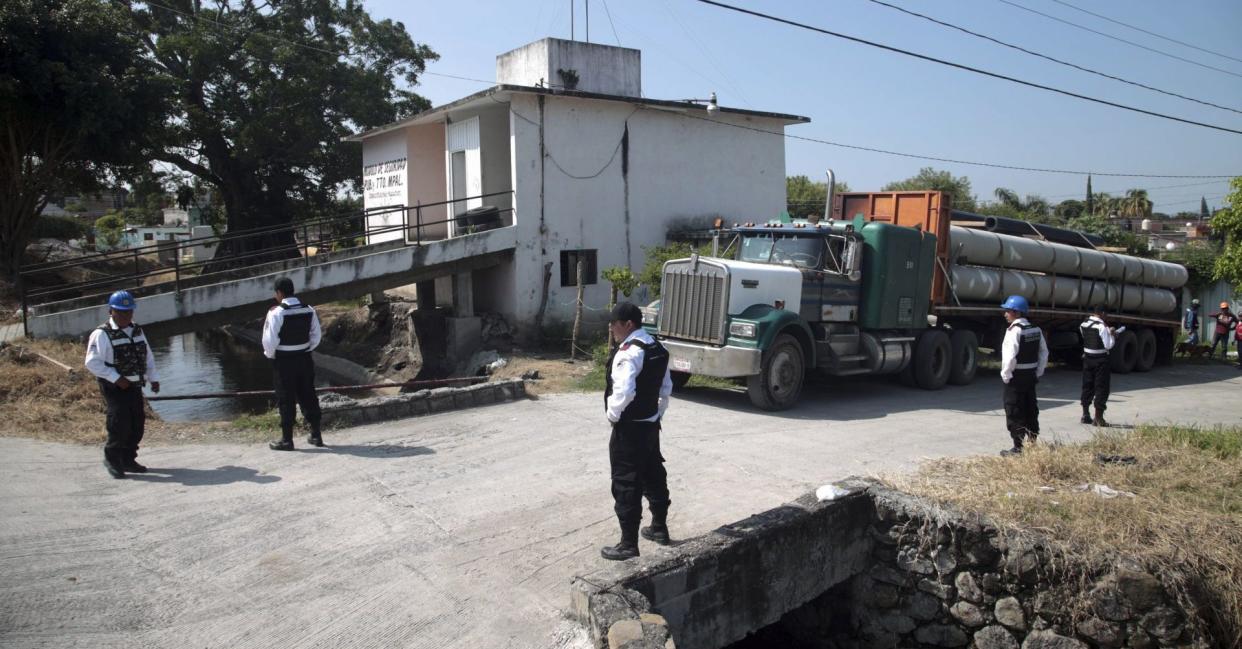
[87, 206]
[578, 161]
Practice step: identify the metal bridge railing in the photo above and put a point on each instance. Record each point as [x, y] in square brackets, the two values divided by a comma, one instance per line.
[314, 233]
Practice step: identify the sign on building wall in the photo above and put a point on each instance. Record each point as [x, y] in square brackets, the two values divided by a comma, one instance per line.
[383, 183]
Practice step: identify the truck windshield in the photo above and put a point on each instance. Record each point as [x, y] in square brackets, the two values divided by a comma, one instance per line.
[791, 250]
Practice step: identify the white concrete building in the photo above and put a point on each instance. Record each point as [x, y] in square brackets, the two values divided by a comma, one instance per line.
[579, 163]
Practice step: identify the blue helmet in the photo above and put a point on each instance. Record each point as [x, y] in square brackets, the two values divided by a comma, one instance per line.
[122, 301]
[1016, 303]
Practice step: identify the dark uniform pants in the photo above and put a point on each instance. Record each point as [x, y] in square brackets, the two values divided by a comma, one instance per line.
[295, 385]
[1096, 381]
[126, 422]
[637, 471]
[1021, 409]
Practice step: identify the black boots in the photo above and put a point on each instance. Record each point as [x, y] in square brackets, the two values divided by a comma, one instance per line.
[315, 439]
[1086, 416]
[627, 548]
[658, 531]
[114, 470]
[1099, 418]
[282, 445]
[132, 466]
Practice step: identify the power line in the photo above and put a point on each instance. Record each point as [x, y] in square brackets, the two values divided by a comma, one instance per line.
[1049, 58]
[1140, 29]
[1109, 191]
[960, 66]
[608, 13]
[952, 160]
[1122, 40]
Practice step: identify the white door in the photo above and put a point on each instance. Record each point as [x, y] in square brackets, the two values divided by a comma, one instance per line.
[464, 166]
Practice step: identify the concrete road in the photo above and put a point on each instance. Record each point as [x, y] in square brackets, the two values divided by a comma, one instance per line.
[460, 529]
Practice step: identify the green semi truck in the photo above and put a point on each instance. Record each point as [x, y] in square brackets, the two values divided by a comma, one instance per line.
[896, 283]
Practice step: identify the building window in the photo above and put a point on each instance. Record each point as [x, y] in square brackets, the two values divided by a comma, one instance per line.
[569, 267]
[148, 236]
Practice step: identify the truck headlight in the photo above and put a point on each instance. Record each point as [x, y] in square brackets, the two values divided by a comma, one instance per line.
[649, 314]
[742, 329]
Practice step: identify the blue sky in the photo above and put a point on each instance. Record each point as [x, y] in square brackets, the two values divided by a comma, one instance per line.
[860, 95]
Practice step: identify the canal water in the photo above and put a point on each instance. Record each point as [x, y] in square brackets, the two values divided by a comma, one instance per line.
[210, 361]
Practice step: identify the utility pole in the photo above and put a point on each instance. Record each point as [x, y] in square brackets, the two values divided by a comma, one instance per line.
[571, 19]
[588, 19]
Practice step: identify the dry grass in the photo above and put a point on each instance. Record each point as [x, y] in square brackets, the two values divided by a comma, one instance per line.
[1184, 521]
[42, 401]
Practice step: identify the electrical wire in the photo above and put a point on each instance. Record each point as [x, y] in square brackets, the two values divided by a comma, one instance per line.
[1052, 59]
[960, 66]
[955, 161]
[610, 24]
[1149, 33]
[1119, 39]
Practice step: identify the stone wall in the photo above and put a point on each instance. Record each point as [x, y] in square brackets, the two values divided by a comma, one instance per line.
[944, 579]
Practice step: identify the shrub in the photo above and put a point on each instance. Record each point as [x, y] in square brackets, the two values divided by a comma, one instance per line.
[58, 227]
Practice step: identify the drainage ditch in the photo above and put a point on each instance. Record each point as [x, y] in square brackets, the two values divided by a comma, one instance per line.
[878, 568]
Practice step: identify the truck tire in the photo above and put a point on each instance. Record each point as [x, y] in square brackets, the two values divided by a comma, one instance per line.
[964, 356]
[679, 379]
[1145, 359]
[781, 374]
[1125, 352]
[932, 360]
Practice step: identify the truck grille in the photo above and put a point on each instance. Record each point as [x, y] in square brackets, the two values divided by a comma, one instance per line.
[693, 300]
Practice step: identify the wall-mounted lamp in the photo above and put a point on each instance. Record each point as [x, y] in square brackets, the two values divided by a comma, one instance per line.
[712, 106]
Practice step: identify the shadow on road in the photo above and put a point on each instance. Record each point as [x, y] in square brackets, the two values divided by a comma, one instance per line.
[873, 397]
[378, 450]
[204, 477]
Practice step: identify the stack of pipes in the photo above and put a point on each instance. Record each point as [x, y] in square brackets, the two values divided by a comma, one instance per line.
[988, 266]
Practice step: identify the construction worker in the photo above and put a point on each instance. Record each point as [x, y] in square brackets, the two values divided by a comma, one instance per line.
[118, 355]
[636, 396]
[1097, 342]
[290, 332]
[1225, 320]
[1024, 355]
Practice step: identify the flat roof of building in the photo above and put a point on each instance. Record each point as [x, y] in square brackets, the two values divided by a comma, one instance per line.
[497, 92]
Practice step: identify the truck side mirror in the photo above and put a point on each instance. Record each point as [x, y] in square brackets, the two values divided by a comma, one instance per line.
[853, 259]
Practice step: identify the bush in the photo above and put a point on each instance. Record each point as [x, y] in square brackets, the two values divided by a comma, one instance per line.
[108, 229]
[58, 227]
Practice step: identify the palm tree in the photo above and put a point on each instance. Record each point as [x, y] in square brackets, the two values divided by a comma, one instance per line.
[1034, 208]
[1136, 205]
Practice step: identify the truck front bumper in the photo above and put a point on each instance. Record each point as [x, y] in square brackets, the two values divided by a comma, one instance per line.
[727, 361]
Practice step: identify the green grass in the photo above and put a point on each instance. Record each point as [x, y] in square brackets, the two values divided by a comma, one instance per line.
[1221, 443]
[268, 422]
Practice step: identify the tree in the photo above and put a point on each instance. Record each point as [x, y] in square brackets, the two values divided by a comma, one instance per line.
[1227, 222]
[1136, 205]
[1034, 208]
[1204, 214]
[804, 197]
[73, 97]
[262, 93]
[958, 188]
[108, 229]
[1069, 209]
[1090, 197]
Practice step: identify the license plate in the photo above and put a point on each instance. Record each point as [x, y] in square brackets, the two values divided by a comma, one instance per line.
[681, 364]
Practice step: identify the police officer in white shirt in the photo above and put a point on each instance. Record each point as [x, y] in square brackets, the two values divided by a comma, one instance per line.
[638, 388]
[1024, 356]
[118, 355]
[290, 332]
[1097, 342]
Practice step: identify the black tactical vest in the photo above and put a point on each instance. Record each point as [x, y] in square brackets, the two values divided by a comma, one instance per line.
[1092, 342]
[295, 329]
[1028, 350]
[646, 403]
[129, 351]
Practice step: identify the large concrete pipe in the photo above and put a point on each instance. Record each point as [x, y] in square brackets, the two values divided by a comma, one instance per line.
[992, 285]
[982, 248]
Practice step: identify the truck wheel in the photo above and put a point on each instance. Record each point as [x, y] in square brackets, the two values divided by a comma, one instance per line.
[964, 354]
[1146, 357]
[932, 360]
[781, 372]
[1125, 353]
[679, 379]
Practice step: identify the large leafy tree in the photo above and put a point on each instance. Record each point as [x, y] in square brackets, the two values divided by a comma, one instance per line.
[928, 178]
[262, 93]
[804, 197]
[73, 94]
[1227, 223]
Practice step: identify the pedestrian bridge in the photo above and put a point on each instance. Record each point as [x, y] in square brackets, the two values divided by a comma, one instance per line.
[177, 296]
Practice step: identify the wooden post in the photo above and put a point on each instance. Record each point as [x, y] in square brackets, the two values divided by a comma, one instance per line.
[573, 343]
